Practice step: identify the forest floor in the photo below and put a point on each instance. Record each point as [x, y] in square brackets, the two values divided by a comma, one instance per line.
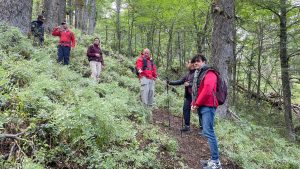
[192, 146]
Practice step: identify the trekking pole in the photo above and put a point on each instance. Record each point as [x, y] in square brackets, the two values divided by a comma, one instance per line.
[168, 103]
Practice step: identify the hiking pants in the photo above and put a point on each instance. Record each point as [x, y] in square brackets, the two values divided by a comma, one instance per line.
[38, 41]
[187, 111]
[96, 68]
[63, 54]
[208, 118]
[147, 91]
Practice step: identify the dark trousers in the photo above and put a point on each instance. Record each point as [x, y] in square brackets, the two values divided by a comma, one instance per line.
[38, 41]
[63, 54]
[187, 111]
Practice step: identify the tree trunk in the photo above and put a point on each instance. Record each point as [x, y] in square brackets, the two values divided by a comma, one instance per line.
[70, 12]
[169, 50]
[159, 47]
[78, 14]
[54, 13]
[85, 16]
[249, 70]
[130, 32]
[234, 78]
[92, 17]
[106, 34]
[118, 24]
[16, 13]
[222, 41]
[286, 89]
[61, 11]
[260, 51]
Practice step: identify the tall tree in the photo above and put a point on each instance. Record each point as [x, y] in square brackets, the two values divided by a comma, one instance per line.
[285, 78]
[284, 9]
[17, 13]
[222, 41]
[118, 24]
[92, 17]
[55, 12]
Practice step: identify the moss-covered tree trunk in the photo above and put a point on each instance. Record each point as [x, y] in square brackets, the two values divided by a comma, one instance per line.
[16, 13]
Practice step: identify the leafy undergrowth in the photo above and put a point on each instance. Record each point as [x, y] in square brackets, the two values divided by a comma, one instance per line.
[63, 120]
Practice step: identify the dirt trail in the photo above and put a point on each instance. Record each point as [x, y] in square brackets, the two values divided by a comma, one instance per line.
[192, 146]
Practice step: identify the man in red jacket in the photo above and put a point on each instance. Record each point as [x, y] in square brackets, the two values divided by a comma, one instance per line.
[205, 102]
[147, 75]
[67, 39]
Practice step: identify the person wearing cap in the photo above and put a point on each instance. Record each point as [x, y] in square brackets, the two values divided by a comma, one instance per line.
[37, 30]
[67, 40]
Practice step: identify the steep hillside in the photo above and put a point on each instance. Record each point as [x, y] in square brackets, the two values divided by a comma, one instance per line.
[51, 116]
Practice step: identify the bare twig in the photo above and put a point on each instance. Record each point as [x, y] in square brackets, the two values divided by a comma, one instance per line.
[12, 136]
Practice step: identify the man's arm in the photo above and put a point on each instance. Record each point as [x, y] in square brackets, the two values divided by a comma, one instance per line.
[56, 31]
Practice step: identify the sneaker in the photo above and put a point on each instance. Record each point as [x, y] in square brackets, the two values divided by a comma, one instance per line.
[210, 164]
[185, 128]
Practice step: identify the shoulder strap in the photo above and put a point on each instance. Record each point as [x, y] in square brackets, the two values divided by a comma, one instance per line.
[144, 63]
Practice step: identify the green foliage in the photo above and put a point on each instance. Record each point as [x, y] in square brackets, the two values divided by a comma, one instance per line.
[254, 146]
[70, 120]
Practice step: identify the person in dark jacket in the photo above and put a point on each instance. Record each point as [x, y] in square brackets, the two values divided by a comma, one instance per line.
[187, 81]
[37, 30]
[95, 58]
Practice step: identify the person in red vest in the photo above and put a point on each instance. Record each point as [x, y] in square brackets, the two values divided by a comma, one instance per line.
[147, 75]
[67, 40]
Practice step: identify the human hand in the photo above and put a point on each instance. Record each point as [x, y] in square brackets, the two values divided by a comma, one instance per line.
[194, 108]
[140, 71]
[187, 83]
[97, 55]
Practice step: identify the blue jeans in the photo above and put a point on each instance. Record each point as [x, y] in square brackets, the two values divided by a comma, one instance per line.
[208, 118]
[63, 54]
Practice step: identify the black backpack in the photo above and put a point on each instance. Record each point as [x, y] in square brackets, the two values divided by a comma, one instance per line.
[136, 71]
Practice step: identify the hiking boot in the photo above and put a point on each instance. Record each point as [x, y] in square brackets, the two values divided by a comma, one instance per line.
[185, 128]
[211, 164]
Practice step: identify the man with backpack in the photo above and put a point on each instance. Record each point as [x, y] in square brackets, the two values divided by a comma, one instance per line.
[187, 81]
[37, 30]
[67, 39]
[205, 102]
[95, 58]
[147, 75]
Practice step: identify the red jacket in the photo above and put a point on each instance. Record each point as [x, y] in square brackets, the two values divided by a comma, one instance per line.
[206, 91]
[67, 37]
[149, 72]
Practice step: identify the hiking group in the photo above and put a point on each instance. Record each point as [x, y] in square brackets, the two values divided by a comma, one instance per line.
[201, 82]
[203, 94]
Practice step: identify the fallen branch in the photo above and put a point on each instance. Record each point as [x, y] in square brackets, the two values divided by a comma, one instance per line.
[11, 136]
